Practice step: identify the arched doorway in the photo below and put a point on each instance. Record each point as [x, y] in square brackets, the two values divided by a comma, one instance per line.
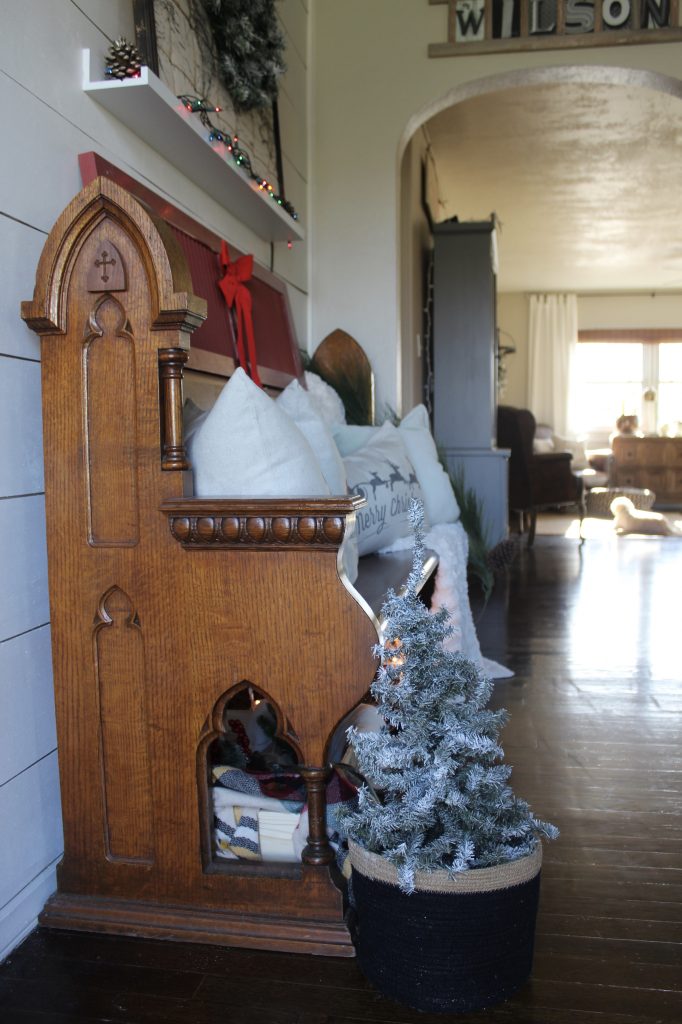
[579, 165]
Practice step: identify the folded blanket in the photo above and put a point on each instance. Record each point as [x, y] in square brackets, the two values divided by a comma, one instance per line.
[238, 800]
[250, 812]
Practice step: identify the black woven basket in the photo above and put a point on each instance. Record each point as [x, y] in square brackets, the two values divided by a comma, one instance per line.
[450, 950]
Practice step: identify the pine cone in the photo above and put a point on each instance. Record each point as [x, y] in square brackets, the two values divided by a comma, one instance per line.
[503, 554]
[123, 60]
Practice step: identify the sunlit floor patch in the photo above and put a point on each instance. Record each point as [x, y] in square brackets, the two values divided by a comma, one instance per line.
[559, 524]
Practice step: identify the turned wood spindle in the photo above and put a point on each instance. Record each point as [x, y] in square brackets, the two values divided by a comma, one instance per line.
[173, 454]
[317, 850]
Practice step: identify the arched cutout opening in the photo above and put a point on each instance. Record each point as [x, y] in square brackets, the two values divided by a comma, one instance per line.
[251, 793]
[257, 801]
[255, 735]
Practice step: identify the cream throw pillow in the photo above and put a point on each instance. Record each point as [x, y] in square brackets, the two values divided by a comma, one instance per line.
[248, 447]
[576, 448]
[440, 503]
[350, 438]
[298, 404]
[325, 399]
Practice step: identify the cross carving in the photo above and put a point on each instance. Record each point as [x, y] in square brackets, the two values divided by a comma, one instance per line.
[104, 262]
[107, 270]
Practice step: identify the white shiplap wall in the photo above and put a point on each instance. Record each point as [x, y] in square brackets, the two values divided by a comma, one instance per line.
[46, 122]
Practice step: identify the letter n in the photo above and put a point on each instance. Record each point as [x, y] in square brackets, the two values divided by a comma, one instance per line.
[655, 13]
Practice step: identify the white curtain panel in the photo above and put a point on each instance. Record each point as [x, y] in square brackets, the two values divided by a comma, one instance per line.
[553, 339]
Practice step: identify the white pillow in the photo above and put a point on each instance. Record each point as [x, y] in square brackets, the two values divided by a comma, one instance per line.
[542, 445]
[579, 458]
[298, 404]
[248, 447]
[192, 418]
[325, 399]
[382, 473]
[350, 438]
[440, 503]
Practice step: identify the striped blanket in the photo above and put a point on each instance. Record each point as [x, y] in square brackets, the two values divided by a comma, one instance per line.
[264, 815]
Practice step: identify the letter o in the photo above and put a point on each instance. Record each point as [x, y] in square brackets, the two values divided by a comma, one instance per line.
[615, 12]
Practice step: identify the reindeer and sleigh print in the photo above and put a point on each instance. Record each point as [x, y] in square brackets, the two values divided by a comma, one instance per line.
[381, 473]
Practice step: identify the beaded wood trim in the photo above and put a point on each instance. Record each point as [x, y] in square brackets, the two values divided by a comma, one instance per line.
[264, 524]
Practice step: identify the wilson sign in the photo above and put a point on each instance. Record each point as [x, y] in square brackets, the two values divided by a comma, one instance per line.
[490, 26]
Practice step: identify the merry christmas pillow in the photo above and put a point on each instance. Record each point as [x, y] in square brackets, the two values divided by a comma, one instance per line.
[382, 473]
[440, 504]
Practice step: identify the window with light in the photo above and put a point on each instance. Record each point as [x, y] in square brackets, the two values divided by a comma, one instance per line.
[629, 377]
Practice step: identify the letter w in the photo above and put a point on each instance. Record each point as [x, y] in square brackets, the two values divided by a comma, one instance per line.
[469, 21]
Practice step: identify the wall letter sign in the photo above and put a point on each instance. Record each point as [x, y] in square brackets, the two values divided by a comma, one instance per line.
[490, 26]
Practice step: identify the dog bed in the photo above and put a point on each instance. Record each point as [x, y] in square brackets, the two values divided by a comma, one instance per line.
[598, 500]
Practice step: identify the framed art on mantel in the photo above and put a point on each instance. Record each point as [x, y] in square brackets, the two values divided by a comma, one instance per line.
[175, 39]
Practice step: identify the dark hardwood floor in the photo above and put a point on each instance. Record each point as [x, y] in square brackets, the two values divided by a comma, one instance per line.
[595, 637]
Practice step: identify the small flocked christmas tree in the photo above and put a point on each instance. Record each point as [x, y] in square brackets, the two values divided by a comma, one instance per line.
[438, 796]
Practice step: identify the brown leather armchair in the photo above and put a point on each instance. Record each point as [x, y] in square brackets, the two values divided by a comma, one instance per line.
[535, 481]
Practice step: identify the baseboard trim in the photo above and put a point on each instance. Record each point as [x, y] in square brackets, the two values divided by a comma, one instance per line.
[182, 924]
[20, 916]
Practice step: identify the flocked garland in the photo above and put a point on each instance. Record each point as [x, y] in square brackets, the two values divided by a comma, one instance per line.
[250, 49]
[200, 106]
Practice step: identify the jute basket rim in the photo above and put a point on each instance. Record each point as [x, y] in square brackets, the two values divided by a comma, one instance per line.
[502, 876]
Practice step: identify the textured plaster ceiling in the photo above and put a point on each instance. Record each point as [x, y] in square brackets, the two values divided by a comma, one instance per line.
[586, 181]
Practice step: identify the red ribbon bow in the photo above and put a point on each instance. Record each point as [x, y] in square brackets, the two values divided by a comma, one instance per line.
[238, 295]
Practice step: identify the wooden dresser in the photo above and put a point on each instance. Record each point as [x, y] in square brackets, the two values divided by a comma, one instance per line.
[653, 462]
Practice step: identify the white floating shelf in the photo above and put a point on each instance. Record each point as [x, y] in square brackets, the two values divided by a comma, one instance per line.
[149, 108]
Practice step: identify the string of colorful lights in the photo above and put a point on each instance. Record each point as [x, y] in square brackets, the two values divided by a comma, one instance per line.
[199, 105]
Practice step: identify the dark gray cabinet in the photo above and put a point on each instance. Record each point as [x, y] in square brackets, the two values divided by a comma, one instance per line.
[464, 363]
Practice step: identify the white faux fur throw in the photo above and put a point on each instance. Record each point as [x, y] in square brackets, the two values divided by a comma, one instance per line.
[451, 544]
